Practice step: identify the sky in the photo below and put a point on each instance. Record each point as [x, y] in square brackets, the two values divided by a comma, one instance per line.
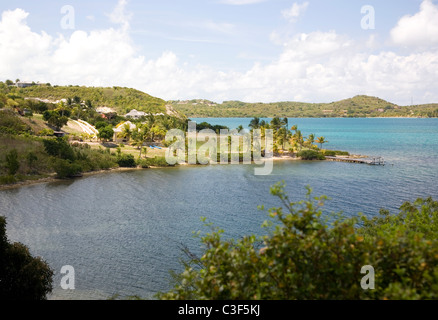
[247, 50]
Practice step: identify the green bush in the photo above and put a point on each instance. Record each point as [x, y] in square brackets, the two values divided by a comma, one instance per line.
[333, 153]
[329, 153]
[157, 162]
[22, 276]
[12, 163]
[310, 155]
[144, 163]
[46, 132]
[126, 161]
[8, 179]
[10, 123]
[66, 168]
[59, 147]
[307, 257]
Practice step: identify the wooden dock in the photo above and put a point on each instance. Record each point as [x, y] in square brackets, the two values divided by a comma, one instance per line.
[375, 161]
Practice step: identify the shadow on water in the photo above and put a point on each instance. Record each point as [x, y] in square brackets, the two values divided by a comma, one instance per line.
[62, 183]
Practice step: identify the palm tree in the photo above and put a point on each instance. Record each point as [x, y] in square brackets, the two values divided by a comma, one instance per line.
[298, 138]
[89, 104]
[276, 123]
[311, 140]
[127, 132]
[150, 119]
[294, 128]
[285, 122]
[140, 136]
[69, 102]
[282, 136]
[61, 107]
[76, 100]
[255, 123]
[321, 141]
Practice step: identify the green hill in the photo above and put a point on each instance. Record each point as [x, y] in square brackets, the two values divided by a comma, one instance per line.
[121, 99]
[358, 106]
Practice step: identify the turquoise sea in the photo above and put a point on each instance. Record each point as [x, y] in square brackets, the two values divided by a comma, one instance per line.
[122, 232]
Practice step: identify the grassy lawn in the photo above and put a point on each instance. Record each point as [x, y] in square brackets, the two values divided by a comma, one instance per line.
[151, 153]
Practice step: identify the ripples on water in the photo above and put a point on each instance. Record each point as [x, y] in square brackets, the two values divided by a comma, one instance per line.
[122, 231]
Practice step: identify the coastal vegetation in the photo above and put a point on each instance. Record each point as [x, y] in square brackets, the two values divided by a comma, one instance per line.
[290, 141]
[305, 254]
[308, 254]
[358, 106]
[122, 100]
[31, 151]
[40, 136]
[22, 276]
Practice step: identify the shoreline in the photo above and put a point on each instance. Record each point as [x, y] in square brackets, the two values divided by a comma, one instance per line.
[113, 170]
[54, 179]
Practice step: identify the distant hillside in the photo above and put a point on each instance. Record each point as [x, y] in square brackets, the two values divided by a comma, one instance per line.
[121, 99]
[359, 106]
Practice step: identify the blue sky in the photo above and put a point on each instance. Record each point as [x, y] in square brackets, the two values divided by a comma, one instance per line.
[250, 50]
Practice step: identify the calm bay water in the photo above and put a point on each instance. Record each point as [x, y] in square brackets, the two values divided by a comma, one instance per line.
[122, 231]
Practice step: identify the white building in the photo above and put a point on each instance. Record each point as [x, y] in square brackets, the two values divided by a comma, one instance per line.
[134, 114]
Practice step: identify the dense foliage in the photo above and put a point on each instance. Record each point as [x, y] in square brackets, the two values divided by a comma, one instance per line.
[310, 155]
[309, 255]
[30, 116]
[215, 128]
[10, 124]
[22, 276]
[121, 99]
[359, 106]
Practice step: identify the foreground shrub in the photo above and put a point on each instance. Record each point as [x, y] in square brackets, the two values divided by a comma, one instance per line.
[304, 256]
[22, 277]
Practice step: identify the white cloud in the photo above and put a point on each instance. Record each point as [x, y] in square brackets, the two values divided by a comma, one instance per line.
[241, 2]
[119, 14]
[19, 46]
[313, 67]
[295, 11]
[420, 29]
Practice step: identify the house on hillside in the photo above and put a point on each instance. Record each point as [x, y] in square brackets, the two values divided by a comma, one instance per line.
[104, 110]
[25, 84]
[134, 114]
[106, 113]
[121, 128]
